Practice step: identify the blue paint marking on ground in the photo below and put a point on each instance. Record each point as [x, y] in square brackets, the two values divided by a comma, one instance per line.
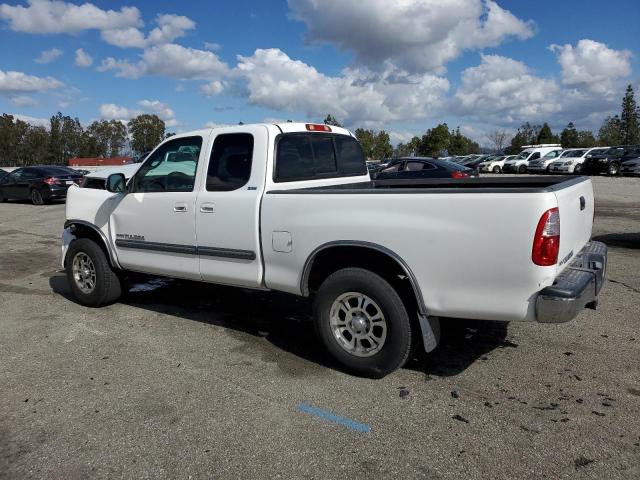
[332, 417]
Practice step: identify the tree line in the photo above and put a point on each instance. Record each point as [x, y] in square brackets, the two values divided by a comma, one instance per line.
[24, 144]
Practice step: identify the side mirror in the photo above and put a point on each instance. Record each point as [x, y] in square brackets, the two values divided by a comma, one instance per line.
[116, 183]
[589, 156]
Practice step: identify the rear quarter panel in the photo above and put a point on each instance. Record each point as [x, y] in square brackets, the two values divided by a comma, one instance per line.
[470, 252]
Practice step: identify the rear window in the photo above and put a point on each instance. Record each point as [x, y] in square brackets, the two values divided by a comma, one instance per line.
[303, 156]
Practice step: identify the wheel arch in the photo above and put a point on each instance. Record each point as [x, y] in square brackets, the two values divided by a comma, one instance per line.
[332, 256]
[84, 229]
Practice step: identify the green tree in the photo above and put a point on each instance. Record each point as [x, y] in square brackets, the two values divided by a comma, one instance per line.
[460, 144]
[629, 126]
[382, 145]
[546, 135]
[527, 135]
[586, 139]
[407, 149]
[569, 136]
[434, 141]
[146, 131]
[331, 120]
[367, 141]
[610, 132]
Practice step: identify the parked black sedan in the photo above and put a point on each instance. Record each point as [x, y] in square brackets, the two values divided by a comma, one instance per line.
[419, 167]
[610, 161]
[38, 184]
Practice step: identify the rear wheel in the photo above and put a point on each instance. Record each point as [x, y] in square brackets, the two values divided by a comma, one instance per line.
[92, 280]
[613, 169]
[362, 322]
[36, 197]
[522, 169]
[496, 169]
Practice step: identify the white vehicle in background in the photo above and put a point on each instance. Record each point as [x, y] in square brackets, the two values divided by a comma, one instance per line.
[530, 152]
[494, 164]
[571, 161]
[98, 178]
[542, 165]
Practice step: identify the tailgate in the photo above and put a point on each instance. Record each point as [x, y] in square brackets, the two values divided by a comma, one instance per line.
[576, 205]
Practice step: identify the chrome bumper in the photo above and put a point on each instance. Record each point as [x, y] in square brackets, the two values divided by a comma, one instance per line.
[575, 288]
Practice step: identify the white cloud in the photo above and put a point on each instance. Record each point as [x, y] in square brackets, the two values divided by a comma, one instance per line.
[44, 16]
[23, 101]
[169, 28]
[415, 35]
[212, 89]
[83, 59]
[37, 122]
[592, 65]
[276, 81]
[214, 47]
[48, 55]
[211, 124]
[111, 111]
[19, 82]
[503, 90]
[170, 60]
[129, 37]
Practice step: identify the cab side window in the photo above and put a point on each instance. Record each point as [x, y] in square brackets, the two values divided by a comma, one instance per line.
[230, 162]
[171, 168]
[535, 156]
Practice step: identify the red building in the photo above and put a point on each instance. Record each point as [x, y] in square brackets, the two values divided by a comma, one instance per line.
[99, 162]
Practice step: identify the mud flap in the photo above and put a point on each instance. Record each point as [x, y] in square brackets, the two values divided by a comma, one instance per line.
[430, 327]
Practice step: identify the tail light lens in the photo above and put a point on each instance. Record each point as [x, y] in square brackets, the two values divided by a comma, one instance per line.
[314, 127]
[459, 174]
[546, 242]
[52, 181]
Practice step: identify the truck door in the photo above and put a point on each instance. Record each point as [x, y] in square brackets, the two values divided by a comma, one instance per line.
[228, 207]
[153, 225]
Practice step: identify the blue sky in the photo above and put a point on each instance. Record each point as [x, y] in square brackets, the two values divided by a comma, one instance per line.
[403, 66]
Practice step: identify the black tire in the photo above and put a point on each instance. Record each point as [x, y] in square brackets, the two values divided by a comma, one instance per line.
[522, 169]
[577, 169]
[396, 347]
[3, 199]
[496, 169]
[36, 197]
[613, 169]
[107, 287]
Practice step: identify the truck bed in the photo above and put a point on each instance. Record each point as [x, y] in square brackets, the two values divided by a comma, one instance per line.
[527, 184]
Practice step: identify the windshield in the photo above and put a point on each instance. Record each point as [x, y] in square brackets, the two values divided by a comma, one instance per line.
[524, 155]
[573, 153]
[553, 154]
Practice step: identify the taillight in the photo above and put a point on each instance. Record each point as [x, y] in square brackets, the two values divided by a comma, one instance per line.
[52, 181]
[546, 242]
[318, 127]
[459, 174]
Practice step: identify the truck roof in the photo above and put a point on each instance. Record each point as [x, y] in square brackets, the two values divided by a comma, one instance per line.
[284, 127]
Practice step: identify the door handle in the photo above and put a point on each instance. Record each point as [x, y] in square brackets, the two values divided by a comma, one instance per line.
[207, 208]
[180, 207]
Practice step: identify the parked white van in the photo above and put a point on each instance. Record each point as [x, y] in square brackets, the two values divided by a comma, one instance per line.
[530, 152]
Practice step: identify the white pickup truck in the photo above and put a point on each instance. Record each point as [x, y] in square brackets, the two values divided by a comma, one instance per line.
[291, 207]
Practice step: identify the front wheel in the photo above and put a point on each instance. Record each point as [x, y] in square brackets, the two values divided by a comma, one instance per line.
[92, 280]
[36, 197]
[362, 322]
[613, 169]
[577, 169]
[522, 169]
[496, 169]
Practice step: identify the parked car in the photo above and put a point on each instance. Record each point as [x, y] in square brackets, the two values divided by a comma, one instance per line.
[3, 173]
[520, 163]
[494, 164]
[631, 166]
[418, 167]
[609, 162]
[571, 160]
[290, 207]
[474, 163]
[39, 184]
[541, 165]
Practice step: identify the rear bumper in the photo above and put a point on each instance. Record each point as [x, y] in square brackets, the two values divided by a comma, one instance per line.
[575, 288]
